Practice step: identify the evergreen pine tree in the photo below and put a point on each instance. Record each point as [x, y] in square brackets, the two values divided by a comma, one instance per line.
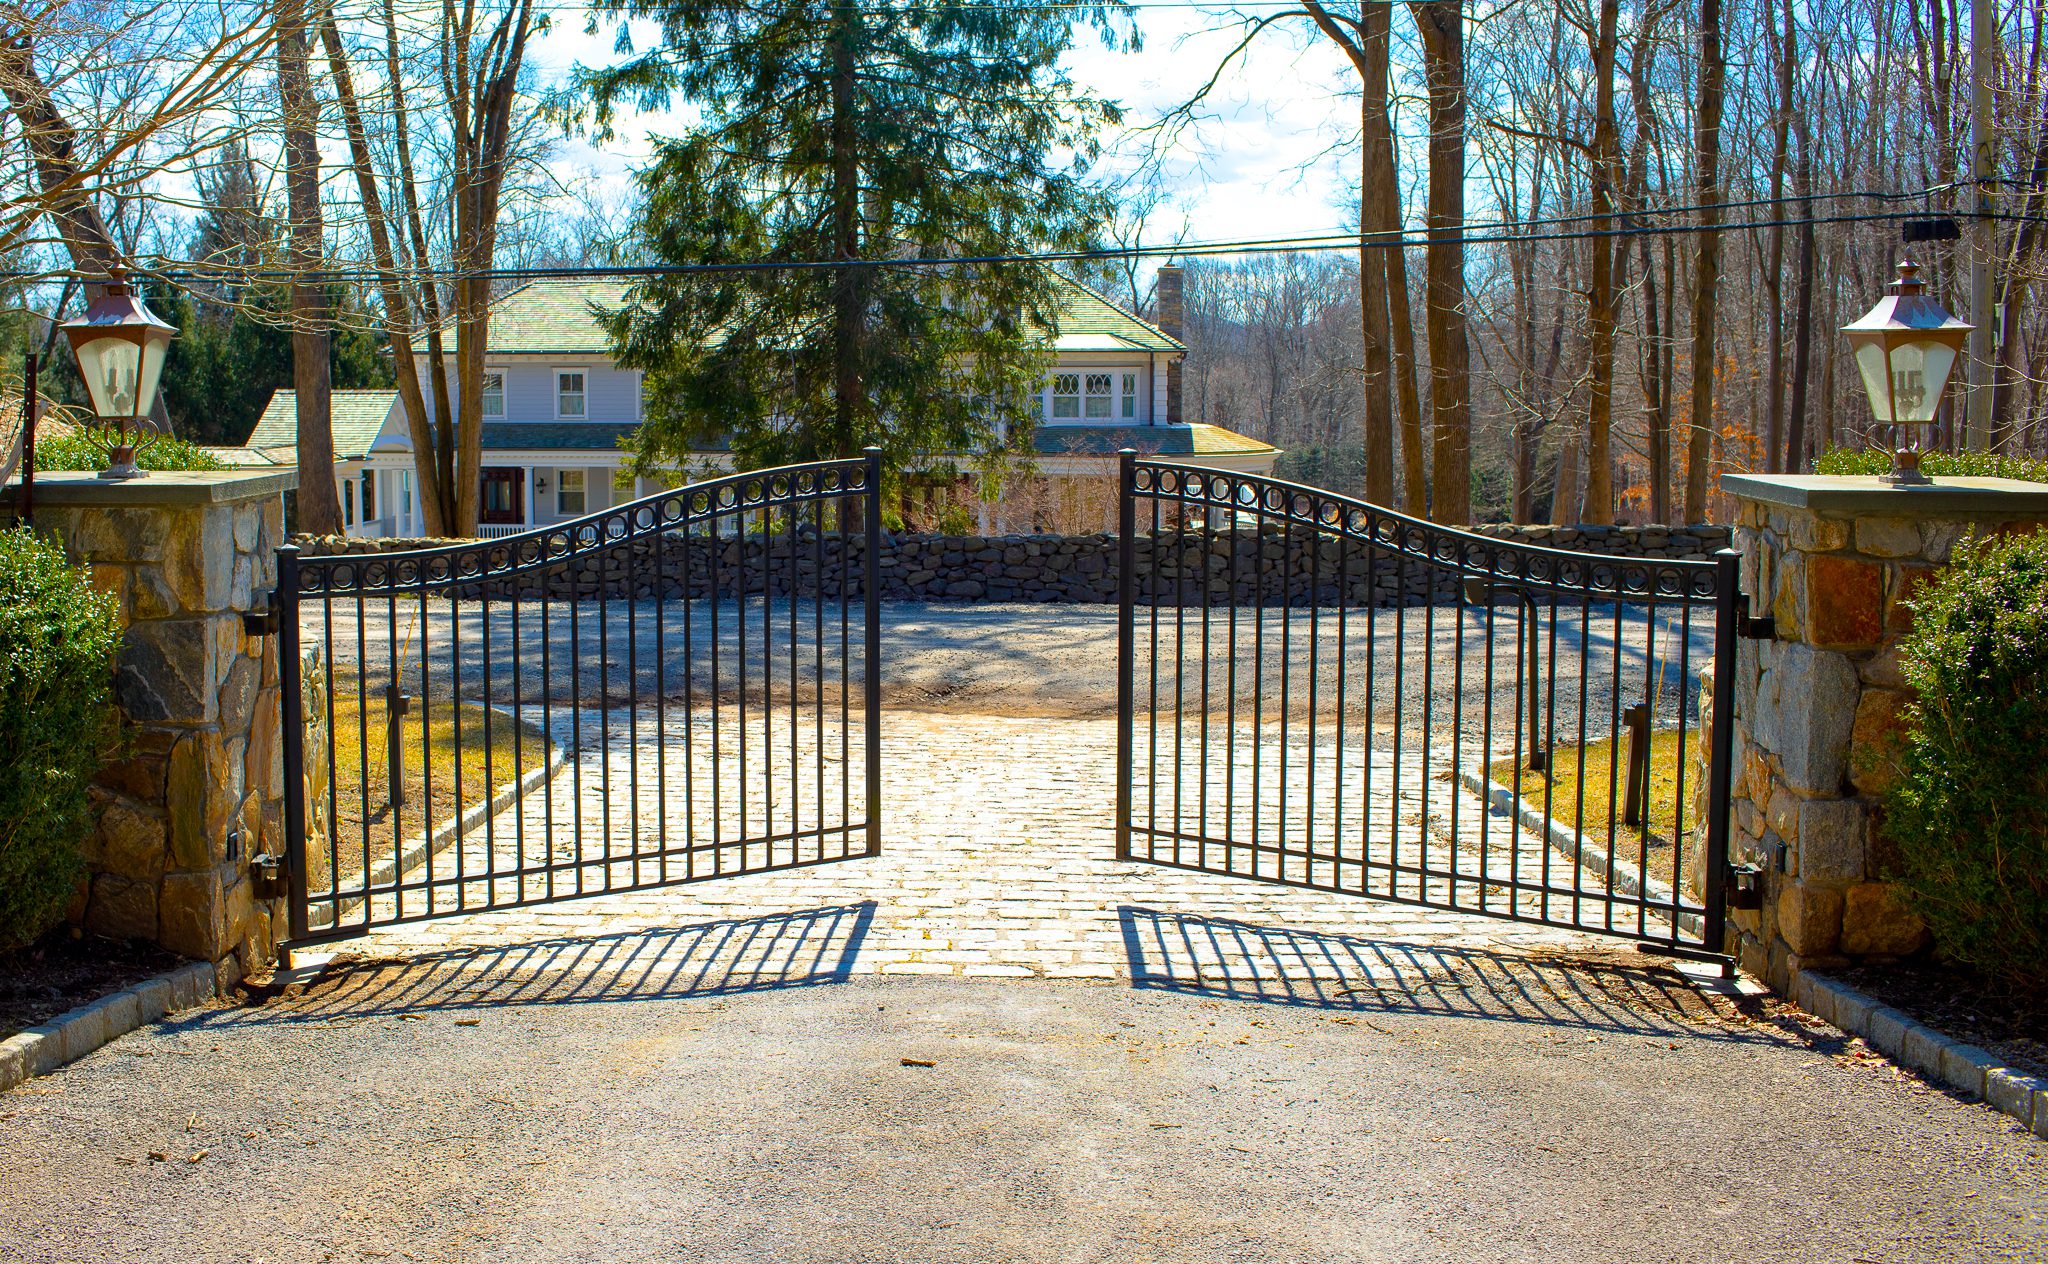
[866, 132]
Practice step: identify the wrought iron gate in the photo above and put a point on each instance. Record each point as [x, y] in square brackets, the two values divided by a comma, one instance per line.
[1319, 692]
[681, 688]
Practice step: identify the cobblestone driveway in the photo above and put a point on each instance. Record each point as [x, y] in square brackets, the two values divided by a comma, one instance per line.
[997, 860]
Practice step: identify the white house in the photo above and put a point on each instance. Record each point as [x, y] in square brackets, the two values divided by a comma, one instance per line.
[555, 408]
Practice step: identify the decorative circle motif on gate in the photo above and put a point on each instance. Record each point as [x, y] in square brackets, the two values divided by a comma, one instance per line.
[700, 504]
[1268, 502]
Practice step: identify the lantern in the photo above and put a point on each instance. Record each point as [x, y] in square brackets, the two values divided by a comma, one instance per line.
[1906, 348]
[120, 347]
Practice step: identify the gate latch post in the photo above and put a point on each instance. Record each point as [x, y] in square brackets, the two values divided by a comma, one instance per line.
[1745, 887]
[266, 877]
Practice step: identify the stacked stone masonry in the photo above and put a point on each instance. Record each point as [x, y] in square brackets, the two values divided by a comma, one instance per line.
[1817, 715]
[201, 760]
[1272, 566]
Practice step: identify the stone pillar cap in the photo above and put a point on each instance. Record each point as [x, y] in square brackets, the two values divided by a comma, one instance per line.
[1868, 496]
[83, 489]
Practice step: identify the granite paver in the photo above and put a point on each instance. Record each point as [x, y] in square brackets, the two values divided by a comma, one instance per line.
[997, 859]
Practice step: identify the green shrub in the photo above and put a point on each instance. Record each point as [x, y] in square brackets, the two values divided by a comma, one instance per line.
[1953, 464]
[955, 520]
[168, 452]
[1969, 812]
[58, 639]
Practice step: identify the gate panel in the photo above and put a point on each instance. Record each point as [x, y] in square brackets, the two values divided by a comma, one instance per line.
[1318, 692]
[680, 688]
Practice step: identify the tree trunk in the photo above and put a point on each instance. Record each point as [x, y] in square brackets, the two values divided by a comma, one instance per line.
[1598, 505]
[1377, 264]
[847, 303]
[1707, 273]
[319, 505]
[1802, 319]
[1442, 23]
[437, 503]
[1774, 271]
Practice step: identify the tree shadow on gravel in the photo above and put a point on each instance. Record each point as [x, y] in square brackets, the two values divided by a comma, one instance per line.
[806, 948]
[1601, 991]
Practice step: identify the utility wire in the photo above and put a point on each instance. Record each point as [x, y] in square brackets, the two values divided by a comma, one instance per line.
[1346, 241]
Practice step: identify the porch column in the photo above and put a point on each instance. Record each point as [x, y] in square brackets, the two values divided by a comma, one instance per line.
[528, 517]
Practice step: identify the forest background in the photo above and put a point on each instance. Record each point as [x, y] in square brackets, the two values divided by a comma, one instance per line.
[1503, 259]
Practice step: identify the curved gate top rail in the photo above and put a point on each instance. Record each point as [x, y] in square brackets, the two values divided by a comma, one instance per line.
[509, 556]
[1483, 557]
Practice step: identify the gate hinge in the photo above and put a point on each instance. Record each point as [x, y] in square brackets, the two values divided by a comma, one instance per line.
[256, 623]
[1745, 887]
[266, 878]
[1763, 627]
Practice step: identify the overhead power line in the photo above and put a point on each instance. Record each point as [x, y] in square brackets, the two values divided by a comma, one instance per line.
[1310, 245]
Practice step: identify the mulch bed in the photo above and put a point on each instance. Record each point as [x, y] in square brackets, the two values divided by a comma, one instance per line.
[62, 971]
[1956, 1004]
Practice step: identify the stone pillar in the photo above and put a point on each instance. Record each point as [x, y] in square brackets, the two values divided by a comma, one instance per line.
[1832, 560]
[197, 792]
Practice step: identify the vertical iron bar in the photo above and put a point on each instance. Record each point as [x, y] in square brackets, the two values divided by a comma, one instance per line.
[1721, 753]
[292, 702]
[1126, 639]
[871, 584]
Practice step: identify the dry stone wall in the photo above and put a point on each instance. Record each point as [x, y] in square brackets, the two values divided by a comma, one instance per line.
[1271, 566]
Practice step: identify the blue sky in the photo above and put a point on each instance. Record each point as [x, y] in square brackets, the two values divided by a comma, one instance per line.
[1257, 167]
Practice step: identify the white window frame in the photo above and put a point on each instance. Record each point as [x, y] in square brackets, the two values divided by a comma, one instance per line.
[1123, 404]
[582, 396]
[484, 395]
[1054, 396]
[582, 492]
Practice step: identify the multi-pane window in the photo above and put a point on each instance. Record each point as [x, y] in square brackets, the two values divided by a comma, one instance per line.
[1066, 395]
[1105, 396]
[1098, 400]
[494, 395]
[369, 500]
[569, 493]
[569, 396]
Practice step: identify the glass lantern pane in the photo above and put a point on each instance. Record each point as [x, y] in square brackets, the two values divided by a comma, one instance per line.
[1919, 371]
[110, 368]
[1870, 365]
[152, 370]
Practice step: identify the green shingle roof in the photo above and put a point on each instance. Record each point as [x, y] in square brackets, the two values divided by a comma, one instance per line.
[358, 416]
[582, 436]
[553, 317]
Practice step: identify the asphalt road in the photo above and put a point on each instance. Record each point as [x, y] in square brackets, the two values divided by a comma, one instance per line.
[1480, 1108]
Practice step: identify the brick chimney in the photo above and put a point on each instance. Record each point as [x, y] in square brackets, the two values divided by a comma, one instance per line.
[1167, 315]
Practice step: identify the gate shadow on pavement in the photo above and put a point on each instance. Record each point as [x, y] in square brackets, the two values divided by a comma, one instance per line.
[1611, 991]
[805, 948]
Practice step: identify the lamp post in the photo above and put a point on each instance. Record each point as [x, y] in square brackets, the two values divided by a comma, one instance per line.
[120, 347]
[1906, 347]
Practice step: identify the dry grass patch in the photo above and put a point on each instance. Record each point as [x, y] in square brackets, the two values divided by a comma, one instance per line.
[1605, 782]
[494, 752]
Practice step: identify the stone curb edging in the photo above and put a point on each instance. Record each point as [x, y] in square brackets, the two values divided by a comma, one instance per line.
[1965, 1068]
[70, 1036]
[1918, 1047]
